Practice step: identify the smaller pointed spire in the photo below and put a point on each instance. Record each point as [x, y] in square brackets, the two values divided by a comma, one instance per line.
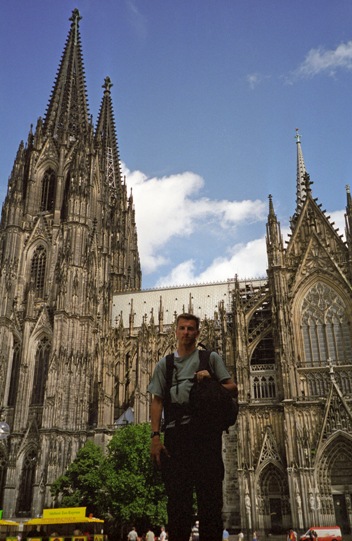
[274, 241]
[301, 192]
[106, 138]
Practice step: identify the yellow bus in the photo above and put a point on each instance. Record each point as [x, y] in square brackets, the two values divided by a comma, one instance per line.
[64, 524]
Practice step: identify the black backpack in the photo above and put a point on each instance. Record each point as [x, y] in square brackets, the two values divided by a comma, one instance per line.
[211, 407]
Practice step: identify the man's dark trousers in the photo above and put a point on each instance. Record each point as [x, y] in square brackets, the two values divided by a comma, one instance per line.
[195, 462]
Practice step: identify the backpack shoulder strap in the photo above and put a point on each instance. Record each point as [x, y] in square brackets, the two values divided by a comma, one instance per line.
[169, 370]
[204, 357]
[167, 398]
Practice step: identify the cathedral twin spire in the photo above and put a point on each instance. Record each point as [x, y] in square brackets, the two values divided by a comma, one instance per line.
[67, 113]
[67, 116]
[106, 138]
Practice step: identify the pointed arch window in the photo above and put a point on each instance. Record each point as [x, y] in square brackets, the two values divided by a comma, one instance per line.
[64, 206]
[263, 370]
[127, 376]
[264, 352]
[117, 406]
[325, 327]
[27, 483]
[93, 405]
[48, 191]
[15, 374]
[40, 371]
[38, 270]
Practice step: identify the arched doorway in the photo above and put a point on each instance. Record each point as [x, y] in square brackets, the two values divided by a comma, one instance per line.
[335, 483]
[273, 500]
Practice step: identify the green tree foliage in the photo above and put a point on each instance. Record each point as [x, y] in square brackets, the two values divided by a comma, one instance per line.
[79, 485]
[122, 486]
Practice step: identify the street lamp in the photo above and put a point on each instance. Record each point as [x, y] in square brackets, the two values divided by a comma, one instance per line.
[4, 430]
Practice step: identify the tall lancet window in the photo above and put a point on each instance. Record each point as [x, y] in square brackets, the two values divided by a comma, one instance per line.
[15, 374]
[325, 327]
[64, 206]
[38, 270]
[48, 191]
[26, 487]
[40, 371]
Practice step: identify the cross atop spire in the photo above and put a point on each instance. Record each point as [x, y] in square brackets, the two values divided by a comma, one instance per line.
[75, 17]
[107, 84]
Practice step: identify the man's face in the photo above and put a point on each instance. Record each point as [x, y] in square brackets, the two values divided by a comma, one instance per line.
[187, 332]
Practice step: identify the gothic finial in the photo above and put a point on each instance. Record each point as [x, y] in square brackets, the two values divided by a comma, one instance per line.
[297, 136]
[349, 200]
[107, 84]
[271, 205]
[75, 17]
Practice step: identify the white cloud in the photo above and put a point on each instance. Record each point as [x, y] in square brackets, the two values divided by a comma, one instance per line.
[246, 260]
[170, 207]
[136, 18]
[162, 211]
[338, 217]
[255, 79]
[321, 60]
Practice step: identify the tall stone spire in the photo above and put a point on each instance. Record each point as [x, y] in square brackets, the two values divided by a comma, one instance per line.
[67, 112]
[274, 241]
[105, 136]
[301, 192]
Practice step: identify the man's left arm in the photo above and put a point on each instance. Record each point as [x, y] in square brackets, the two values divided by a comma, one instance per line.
[222, 374]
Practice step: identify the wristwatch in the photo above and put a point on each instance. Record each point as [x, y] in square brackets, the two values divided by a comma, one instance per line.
[154, 434]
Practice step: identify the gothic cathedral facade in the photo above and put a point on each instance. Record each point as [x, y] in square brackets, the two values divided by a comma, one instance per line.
[79, 338]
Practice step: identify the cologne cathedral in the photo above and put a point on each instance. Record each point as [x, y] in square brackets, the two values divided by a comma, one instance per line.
[79, 338]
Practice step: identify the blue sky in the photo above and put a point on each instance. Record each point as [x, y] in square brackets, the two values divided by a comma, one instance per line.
[207, 96]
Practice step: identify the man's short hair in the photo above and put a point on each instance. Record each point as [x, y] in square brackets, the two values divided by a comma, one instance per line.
[189, 317]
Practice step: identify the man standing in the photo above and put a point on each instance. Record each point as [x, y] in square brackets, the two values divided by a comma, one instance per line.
[150, 535]
[195, 531]
[186, 461]
[133, 535]
[162, 536]
[225, 535]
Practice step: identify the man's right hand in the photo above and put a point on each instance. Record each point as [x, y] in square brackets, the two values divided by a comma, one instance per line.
[156, 448]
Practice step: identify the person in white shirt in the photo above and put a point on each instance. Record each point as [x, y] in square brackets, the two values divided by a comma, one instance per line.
[150, 536]
[133, 535]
